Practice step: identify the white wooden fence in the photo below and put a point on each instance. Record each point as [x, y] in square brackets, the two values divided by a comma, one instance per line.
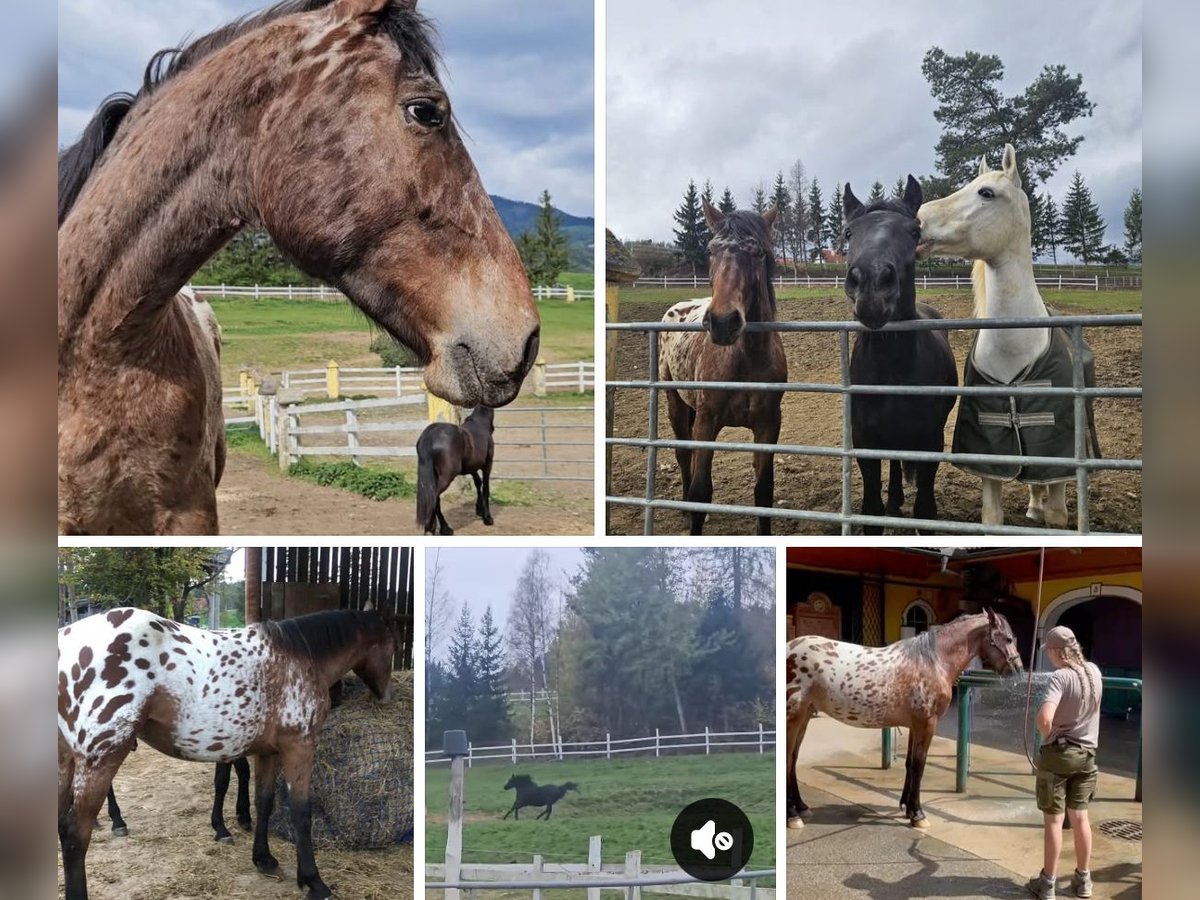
[658, 744]
[331, 295]
[629, 877]
[959, 282]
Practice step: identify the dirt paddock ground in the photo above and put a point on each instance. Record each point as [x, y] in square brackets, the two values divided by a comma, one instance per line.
[815, 419]
[170, 853]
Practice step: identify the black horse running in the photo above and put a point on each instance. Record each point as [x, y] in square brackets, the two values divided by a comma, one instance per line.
[444, 452]
[530, 793]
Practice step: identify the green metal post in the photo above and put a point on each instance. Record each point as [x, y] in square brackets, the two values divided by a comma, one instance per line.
[962, 755]
[887, 752]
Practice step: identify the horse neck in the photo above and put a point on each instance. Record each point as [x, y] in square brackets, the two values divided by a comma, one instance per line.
[170, 191]
[1005, 288]
[958, 643]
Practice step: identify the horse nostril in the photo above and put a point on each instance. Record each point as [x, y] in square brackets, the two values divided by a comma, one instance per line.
[707, 320]
[852, 278]
[529, 357]
[887, 274]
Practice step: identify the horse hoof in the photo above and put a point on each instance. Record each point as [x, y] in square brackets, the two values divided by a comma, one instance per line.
[920, 824]
[271, 869]
[795, 823]
[246, 826]
[122, 831]
[488, 521]
[1034, 515]
[225, 839]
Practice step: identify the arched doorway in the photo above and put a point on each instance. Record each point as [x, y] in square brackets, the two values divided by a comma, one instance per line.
[916, 619]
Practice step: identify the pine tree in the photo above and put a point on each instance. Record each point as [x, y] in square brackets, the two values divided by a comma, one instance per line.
[544, 250]
[690, 235]
[797, 222]
[877, 193]
[726, 204]
[816, 217]
[833, 222]
[1133, 227]
[898, 188]
[759, 201]
[490, 719]
[462, 679]
[1051, 231]
[781, 197]
[1037, 225]
[1081, 225]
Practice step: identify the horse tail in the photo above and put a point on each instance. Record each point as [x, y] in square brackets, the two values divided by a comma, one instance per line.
[427, 488]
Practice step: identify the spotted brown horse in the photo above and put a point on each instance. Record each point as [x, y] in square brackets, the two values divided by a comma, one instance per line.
[906, 684]
[209, 696]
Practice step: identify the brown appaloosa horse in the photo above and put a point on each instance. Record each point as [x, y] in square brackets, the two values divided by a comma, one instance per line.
[325, 123]
[906, 684]
[208, 696]
[445, 451]
[742, 271]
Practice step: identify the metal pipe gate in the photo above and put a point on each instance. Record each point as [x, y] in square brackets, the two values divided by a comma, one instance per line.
[846, 518]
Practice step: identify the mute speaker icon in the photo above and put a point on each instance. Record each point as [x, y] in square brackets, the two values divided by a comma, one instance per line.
[708, 841]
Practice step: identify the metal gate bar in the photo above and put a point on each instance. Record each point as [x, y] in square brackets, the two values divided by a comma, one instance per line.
[846, 518]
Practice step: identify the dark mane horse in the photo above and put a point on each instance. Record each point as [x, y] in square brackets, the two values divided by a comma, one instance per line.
[324, 123]
[530, 793]
[881, 283]
[262, 691]
[742, 271]
[445, 451]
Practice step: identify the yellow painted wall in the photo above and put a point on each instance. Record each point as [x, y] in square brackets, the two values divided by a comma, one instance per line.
[1059, 586]
[897, 597]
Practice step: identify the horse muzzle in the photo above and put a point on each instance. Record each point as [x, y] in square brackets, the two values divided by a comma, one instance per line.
[472, 372]
[724, 330]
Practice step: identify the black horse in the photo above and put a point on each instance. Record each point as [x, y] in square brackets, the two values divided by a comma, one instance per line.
[881, 257]
[220, 789]
[530, 793]
[444, 452]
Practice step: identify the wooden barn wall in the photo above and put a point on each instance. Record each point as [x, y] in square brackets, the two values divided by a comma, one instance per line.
[299, 580]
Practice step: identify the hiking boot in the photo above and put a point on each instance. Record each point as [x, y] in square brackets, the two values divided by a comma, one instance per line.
[1081, 883]
[1041, 886]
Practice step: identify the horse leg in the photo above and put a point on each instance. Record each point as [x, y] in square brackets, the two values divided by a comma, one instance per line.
[487, 491]
[443, 525]
[1056, 505]
[895, 495]
[993, 509]
[682, 416]
[549, 809]
[872, 501]
[82, 790]
[925, 505]
[796, 727]
[766, 432]
[701, 488]
[220, 789]
[478, 494]
[119, 828]
[908, 767]
[297, 769]
[266, 766]
[1035, 512]
[919, 740]
[511, 811]
[241, 765]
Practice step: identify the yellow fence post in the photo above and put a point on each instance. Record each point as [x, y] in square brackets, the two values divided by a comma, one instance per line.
[570, 294]
[539, 377]
[332, 388]
[441, 410]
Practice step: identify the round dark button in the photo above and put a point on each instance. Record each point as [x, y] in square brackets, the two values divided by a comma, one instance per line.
[712, 839]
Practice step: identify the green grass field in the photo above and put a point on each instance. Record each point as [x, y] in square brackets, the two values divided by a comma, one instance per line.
[1106, 301]
[630, 803]
[276, 333]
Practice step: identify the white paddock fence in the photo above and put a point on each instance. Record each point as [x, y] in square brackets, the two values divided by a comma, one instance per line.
[658, 744]
[629, 877]
[332, 295]
[533, 443]
[958, 282]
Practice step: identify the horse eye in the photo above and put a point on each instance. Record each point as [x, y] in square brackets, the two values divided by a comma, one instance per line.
[986, 193]
[425, 113]
[847, 234]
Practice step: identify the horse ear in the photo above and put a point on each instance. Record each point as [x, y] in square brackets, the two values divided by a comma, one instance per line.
[770, 215]
[991, 614]
[1009, 164]
[851, 205]
[713, 216]
[984, 168]
[353, 9]
[912, 194]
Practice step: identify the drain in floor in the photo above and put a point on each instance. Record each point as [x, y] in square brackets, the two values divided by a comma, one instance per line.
[1122, 828]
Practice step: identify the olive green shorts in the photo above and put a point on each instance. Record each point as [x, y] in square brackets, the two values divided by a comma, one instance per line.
[1066, 778]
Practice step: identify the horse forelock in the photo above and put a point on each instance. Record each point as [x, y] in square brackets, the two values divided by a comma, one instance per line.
[412, 33]
[742, 231]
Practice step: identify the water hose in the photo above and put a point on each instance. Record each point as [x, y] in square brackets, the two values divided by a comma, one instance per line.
[1033, 657]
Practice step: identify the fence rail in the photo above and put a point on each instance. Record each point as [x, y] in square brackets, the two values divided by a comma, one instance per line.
[846, 518]
[958, 282]
[327, 294]
[762, 740]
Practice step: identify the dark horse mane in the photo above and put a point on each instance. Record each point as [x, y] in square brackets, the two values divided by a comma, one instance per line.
[322, 634]
[743, 231]
[890, 205]
[412, 33]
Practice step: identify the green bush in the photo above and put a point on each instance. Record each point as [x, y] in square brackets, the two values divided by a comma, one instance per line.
[374, 484]
[393, 353]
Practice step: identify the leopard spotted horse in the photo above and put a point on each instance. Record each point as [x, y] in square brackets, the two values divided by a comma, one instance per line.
[208, 696]
[906, 684]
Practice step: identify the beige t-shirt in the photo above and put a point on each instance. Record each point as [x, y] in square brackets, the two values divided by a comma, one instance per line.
[1071, 720]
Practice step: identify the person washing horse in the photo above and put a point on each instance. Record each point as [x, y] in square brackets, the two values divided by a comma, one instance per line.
[1069, 723]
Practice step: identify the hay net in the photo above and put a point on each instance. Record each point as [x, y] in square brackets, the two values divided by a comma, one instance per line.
[362, 783]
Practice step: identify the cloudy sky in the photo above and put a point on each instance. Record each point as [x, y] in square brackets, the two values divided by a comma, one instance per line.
[483, 576]
[736, 92]
[519, 75]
